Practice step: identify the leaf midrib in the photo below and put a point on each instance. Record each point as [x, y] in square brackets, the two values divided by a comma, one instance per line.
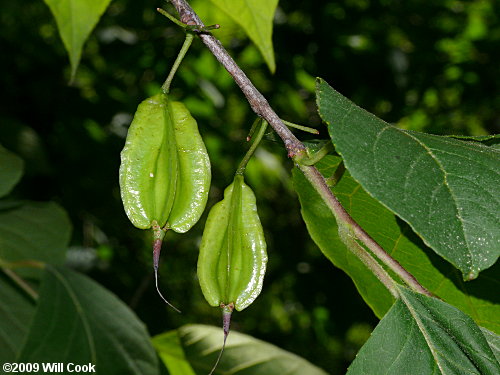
[426, 335]
[452, 194]
[469, 253]
[80, 311]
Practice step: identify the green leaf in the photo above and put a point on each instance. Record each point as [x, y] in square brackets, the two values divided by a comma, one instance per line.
[168, 346]
[34, 231]
[79, 321]
[492, 140]
[478, 298]
[486, 139]
[256, 18]
[11, 170]
[75, 20]
[493, 341]
[446, 189]
[243, 354]
[16, 311]
[423, 335]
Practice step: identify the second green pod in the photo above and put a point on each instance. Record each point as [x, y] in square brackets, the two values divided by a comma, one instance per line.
[233, 258]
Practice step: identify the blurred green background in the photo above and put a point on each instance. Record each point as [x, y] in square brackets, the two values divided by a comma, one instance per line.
[424, 66]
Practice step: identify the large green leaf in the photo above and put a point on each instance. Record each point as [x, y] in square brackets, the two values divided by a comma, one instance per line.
[424, 336]
[256, 18]
[478, 298]
[11, 170]
[168, 346]
[78, 321]
[75, 20]
[445, 188]
[16, 311]
[39, 231]
[243, 354]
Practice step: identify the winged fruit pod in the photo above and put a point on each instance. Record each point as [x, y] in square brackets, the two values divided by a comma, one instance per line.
[165, 170]
[193, 172]
[232, 260]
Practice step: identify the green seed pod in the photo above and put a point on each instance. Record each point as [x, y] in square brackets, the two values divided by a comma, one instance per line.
[233, 258]
[193, 173]
[165, 169]
[164, 172]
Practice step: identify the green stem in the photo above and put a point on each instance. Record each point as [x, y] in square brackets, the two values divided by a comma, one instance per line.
[317, 156]
[171, 18]
[21, 283]
[300, 127]
[333, 180]
[251, 150]
[17, 279]
[187, 43]
[253, 128]
[195, 28]
[22, 264]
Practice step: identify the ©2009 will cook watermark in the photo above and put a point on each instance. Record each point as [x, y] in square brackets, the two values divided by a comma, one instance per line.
[47, 368]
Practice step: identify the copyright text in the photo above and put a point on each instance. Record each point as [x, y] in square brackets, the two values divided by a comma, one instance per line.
[49, 367]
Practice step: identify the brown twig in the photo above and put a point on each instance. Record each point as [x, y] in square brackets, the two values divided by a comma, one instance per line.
[256, 100]
[294, 147]
[318, 181]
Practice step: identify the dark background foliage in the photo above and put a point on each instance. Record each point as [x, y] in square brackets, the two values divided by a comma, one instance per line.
[423, 66]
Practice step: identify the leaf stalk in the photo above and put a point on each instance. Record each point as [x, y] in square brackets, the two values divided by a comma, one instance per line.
[253, 147]
[185, 46]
